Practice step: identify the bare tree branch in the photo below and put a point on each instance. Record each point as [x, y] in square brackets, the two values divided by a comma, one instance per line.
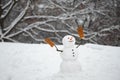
[10, 39]
[110, 28]
[1, 21]
[8, 11]
[33, 36]
[7, 5]
[58, 18]
[17, 19]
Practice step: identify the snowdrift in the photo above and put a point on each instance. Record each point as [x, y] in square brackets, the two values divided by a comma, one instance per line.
[40, 62]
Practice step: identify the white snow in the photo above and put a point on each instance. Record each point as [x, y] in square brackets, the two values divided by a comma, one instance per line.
[39, 61]
[41, 6]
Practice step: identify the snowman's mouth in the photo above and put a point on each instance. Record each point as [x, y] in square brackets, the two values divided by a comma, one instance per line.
[71, 41]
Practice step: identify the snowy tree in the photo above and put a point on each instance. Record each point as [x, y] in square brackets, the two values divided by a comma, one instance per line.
[39, 19]
[5, 32]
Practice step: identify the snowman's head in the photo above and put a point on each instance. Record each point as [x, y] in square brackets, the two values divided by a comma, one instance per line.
[68, 41]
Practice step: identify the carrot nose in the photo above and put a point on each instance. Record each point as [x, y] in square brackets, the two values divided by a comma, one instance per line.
[71, 38]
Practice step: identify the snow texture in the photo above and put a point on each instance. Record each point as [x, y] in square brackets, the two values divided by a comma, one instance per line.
[41, 62]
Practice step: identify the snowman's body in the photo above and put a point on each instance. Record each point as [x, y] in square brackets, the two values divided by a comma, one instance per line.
[70, 63]
[69, 54]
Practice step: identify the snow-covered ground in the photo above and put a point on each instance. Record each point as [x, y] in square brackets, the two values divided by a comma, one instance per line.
[40, 61]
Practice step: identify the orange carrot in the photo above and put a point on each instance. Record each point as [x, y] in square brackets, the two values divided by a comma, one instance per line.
[49, 41]
[80, 32]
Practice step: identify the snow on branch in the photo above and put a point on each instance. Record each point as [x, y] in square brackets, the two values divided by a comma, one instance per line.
[91, 16]
[32, 17]
[61, 7]
[14, 34]
[11, 5]
[10, 39]
[110, 28]
[36, 25]
[92, 35]
[33, 36]
[12, 25]
[48, 17]
[6, 5]
[101, 12]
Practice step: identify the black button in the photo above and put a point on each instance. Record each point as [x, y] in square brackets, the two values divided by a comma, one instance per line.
[73, 53]
[72, 49]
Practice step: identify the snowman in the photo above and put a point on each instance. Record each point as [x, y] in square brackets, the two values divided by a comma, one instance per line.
[69, 55]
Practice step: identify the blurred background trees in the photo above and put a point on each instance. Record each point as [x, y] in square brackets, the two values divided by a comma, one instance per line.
[30, 21]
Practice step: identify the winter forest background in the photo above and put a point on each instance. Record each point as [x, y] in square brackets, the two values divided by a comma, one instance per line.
[30, 21]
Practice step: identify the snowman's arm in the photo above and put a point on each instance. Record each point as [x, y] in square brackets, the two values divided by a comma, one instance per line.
[79, 44]
[58, 49]
[51, 43]
[80, 30]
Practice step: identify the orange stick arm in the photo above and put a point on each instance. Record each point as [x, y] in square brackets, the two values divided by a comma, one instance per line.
[49, 41]
[80, 32]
